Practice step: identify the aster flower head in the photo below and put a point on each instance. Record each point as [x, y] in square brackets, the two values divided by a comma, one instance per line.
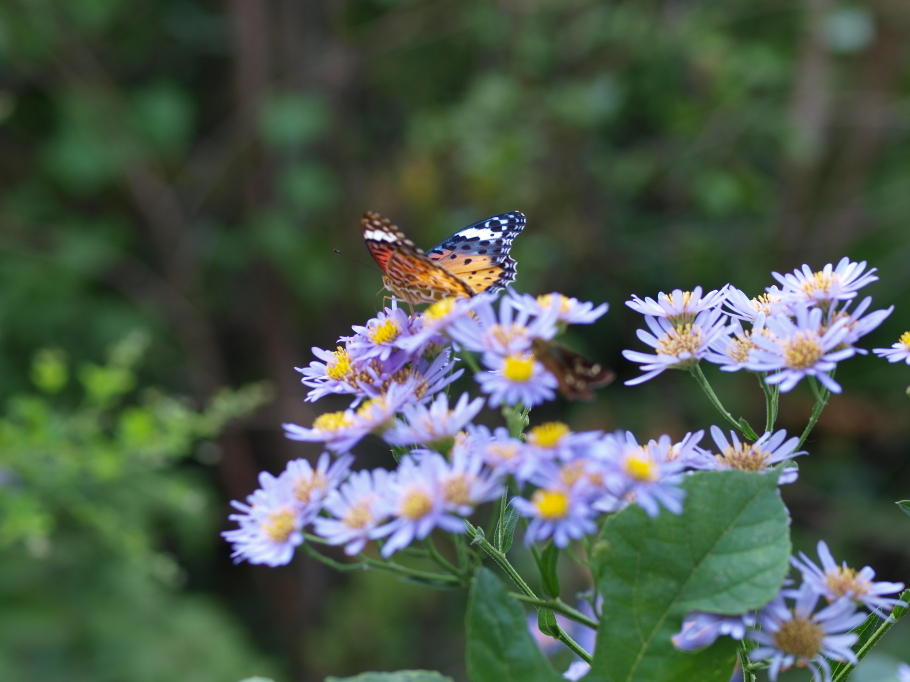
[835, 582]
[568, 310]
[800, 347]
[465, 481]
[555, 440]
[702, 629]
[857, 323]
[760, 456]
[270, 524]
[731, 349]
[510, 332]
[311, 484]
[828, 284]
[435, 425]
[798, 636]
[417, 502]
[516, 378]
[899, 352]
[498, 450]
[650, 474]
[431, 325]
[340, 431]
[424, 377]
[382, 335]
[334, 373]
[679, 307]
[678, 347]
[747, 309]
[357, 508]
[558, 512]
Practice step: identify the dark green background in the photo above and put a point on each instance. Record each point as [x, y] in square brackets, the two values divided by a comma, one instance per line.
[186, 168]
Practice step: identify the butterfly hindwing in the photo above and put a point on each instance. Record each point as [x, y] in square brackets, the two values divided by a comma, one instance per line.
[479, 253]
[409, 273]
[577, 375]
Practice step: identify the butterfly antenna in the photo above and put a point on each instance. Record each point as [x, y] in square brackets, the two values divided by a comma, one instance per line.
[367, 265]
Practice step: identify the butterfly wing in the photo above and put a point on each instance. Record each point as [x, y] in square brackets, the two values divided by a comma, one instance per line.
[577, 375]
[409, 273]
[479, 254]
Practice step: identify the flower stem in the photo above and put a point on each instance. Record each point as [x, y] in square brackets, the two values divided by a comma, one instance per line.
[469, 358]
[748, 675]
[821, 399]
[702, 380]
[558, 606]
[772, 398]
[439, 559]
[576, 648]
[499, 558]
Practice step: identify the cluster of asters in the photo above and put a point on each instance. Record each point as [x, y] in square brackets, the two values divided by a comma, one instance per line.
[796, 633]
[799, 329]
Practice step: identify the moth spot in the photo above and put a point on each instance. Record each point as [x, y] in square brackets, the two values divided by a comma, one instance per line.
[454, 255]
[465, 247]
[481, 251]
[467, 260]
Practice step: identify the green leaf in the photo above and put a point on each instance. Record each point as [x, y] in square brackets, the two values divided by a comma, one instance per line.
[499, 645]
[546, 622]
[400, 676]
[505, 529]
[727, 553]
[904, 506]
[547, 562]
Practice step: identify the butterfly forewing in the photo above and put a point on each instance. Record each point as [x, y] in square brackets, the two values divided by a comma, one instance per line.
[479, 253]
[577, 375]
[409, 273]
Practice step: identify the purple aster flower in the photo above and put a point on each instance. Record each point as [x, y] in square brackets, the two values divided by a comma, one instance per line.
[430, 325]
[436, 425]
[569, 310]
[563, 513]
[425, 377]
[799, 636]
[270, 524]
[555, 440]
[678, 347]
[899, 352]
[340, 431]
[679, 307]
[858, 326]
[826, 285]
[744, 308]
[311, 485]
[800, 348]
[499, 451]
[760, 456]
[335, 374]
[465, 481]
[649, 474]
[358, 508]
[516, 379]
[833, 582]
[382, 335]
[731, 350]
[903, 672]
[702, 629]
[511, 332]
[577, 670]
[418, 503]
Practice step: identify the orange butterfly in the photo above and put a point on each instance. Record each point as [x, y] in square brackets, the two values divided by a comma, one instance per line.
[472, 260]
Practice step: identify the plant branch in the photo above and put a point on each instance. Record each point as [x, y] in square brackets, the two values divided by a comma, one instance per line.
[558, 606]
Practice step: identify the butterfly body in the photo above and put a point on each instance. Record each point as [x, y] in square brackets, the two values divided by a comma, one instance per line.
[471, 261]
[577, 376]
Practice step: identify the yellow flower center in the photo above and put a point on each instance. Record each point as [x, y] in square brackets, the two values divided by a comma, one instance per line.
[803, 350]
[551, 505]
[686, 338]
[740, 346]
[359, 514]
[762, 303]
[905, 339]
[548, 435]
[518, 368]
[684, 317]
[571, 473]
[505, 335]
[439, 310]
[744, 456]
[384, 332]
[820, 282]
[842, 581]
[416, 504]
[305, 486]
[457, 489]
[279, 525]
[339, 367]
[546, 301]
[641, 467]
[333, 421]
[799, 637]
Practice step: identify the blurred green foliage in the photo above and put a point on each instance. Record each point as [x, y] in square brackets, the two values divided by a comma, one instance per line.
[187, 166]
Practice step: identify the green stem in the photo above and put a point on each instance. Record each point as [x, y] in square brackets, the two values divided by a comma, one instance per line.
[821, 399]
[558, 606]
[748, 675]
[439, 559]
[410, 572]
[579, 651]
[337, 565]
[499, 558]
[471, 361]
[712, 396]
[888, 623]
[772, 397]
